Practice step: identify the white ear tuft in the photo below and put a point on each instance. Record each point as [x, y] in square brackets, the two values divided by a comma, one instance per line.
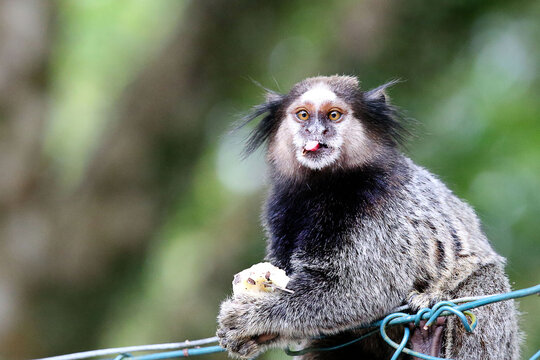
[271, 96]
[377, 95]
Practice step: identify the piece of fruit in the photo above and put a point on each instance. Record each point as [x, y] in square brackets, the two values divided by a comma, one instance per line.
[259, 279]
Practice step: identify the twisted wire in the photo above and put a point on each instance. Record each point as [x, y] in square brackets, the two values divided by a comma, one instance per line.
[443, 308]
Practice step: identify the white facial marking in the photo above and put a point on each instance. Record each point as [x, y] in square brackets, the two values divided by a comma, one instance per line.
[318, 95]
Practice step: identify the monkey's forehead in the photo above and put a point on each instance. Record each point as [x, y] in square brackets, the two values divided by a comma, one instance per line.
[318, 94]
[339, 85]
[318, 98]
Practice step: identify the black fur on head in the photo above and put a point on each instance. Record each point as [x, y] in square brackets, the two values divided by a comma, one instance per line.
[382, 120]
[381, 117]
[267, 125]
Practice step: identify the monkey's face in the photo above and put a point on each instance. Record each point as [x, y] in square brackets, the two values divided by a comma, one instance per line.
[316, 120]
[325, 122]
[319, 130]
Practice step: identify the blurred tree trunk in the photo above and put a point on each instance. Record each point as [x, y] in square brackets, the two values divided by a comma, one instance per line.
[59, 245]
[25, 227]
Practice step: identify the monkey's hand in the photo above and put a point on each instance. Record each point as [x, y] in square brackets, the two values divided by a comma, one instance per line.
[239, 328]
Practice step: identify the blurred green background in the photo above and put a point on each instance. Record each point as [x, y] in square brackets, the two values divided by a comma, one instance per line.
[124, 206]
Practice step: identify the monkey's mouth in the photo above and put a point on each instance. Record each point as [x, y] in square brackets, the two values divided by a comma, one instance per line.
[316, 154]
[313, 146]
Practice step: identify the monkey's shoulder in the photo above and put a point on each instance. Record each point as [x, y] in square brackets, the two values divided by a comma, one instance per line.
[445, 227]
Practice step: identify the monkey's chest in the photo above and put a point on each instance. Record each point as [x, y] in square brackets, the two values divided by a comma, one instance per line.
[313, 226]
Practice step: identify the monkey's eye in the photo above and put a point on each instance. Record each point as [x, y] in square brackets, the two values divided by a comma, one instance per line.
[334, 115]
[302, 115]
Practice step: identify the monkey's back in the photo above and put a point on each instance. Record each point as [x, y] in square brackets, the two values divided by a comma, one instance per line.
[447, 235]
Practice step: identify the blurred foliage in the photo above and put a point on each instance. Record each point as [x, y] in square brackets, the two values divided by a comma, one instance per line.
[165, 80]
[99, 48]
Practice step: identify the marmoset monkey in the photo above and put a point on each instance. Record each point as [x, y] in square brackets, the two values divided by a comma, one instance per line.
[360, 230]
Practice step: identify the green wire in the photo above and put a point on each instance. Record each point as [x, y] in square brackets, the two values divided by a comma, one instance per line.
[443, 308]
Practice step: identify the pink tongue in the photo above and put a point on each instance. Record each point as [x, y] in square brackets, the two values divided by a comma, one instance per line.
[312, 145]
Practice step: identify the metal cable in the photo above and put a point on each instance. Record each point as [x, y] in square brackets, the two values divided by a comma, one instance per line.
[443, 308]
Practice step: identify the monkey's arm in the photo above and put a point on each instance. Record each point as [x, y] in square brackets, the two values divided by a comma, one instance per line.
[322, 303]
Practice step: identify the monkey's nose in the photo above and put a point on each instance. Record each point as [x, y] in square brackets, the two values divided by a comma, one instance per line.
[316, 130]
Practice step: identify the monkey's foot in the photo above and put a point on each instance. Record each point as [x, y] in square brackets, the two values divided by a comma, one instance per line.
[417, 300]
[428, 341]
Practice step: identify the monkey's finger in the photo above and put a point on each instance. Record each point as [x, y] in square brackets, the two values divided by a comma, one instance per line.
[245, 348]
[221, 332]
